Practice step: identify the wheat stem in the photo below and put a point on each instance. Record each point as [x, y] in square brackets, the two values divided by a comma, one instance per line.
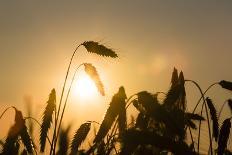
[222, 107]
[191, 135]
[6, 110]
[65, 103]
[61, 98]
[204, 104]
[198, 102]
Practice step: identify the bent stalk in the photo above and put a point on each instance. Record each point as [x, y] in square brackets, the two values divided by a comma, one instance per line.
[61, 98]
[65, 103]
[204, 104]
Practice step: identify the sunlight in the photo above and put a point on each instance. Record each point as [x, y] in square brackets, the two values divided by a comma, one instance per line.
[84, 88]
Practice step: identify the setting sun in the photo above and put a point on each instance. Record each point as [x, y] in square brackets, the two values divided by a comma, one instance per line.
[84, 87]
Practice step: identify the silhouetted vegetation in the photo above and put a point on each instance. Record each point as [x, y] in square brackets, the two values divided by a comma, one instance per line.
[159, 127]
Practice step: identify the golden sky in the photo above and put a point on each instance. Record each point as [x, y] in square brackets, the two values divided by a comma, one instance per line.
[37, 39]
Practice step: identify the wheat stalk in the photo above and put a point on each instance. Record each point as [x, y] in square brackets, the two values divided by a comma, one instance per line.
[92, 47]
[95, 47]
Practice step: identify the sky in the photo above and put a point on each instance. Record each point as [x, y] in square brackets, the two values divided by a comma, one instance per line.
[37, 39]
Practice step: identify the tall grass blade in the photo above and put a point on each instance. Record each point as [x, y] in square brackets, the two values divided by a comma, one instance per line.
[93, 74]
[95, 47]
[214, 118]
[224, 136]
[226, 84]
[47, 119]
[79, 137]
[111, 114]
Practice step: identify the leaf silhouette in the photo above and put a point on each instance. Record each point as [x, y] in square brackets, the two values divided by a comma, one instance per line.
[93, 74]
[95, 47]
[214, 118]
[47, 119]
[79, 137]
[111, 114]
[224, 136]
[226, 84]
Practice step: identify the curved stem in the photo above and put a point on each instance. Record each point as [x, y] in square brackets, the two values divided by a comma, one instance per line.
[6, 110]
[65, 103]
[61, 98]
[198, 102]
[32, 118]
[222, 107]
[191, 135]
[129, 99]
[204, 103]
[94, 122]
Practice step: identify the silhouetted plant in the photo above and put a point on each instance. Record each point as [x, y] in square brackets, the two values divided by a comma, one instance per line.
[79, 137]
[63, 141]
[214, 118]
[224, 136]
[47, 119]
[117, 104]
[160, 126]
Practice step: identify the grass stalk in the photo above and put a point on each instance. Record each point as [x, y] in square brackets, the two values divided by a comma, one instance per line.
[198, 102]
[65, 104]
[61, 98]
[204, 104]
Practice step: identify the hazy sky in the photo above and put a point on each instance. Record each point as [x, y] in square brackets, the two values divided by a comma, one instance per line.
[151, 37]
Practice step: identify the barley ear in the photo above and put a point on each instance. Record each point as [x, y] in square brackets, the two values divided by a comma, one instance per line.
[95, 47]
[214, 118]
[111, 114]
[226, 84]
[174, 79]
[224, 136]
[47, 119]
[79, 137]
[93, 74]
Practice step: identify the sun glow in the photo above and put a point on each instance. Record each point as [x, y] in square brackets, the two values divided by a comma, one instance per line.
[84, 88]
